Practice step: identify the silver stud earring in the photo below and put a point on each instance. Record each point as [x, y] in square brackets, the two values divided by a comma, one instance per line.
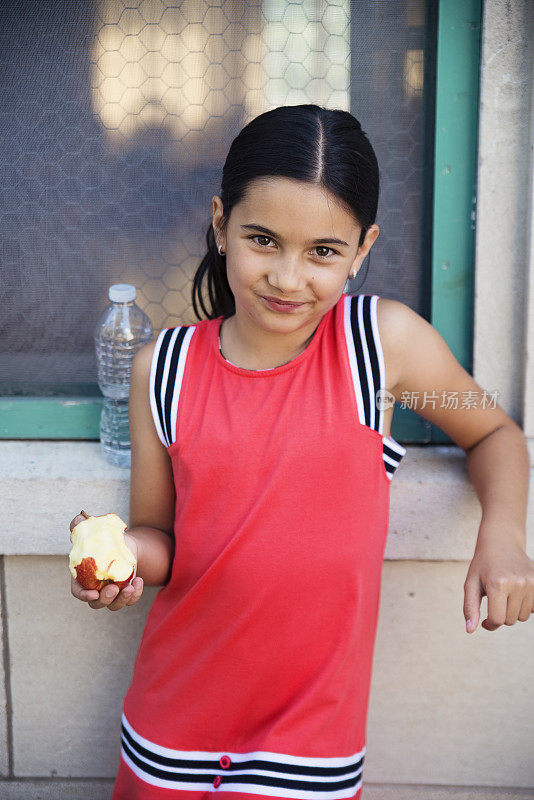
[221, 251]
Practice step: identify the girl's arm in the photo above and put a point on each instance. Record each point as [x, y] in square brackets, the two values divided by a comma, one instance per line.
[428, 377]
[152, 493]
[155, 552]
[152, 496]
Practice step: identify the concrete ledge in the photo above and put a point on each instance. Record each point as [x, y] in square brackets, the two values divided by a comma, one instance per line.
[389, 791]
[96, 789]
[434, 511]
[46, 789]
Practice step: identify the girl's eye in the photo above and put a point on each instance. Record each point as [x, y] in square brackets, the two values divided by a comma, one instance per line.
[323, 251]
[319, 246]
[263, 241]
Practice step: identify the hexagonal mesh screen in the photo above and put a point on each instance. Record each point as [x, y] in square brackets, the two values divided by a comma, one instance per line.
[116, 120]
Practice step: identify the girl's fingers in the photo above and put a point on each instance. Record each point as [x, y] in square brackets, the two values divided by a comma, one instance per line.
[137, 585]
[115, 599]
[80, 593]
[106, 597]
[527, 607]
[513, 607]
[497, 603]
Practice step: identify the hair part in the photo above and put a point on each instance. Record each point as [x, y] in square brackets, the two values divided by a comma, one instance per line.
[316, 145]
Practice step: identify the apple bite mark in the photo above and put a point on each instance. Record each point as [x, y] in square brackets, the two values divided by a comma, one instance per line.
[86, 574]
[99, 554]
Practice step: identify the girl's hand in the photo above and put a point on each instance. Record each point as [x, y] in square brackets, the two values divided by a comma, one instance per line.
[505, 574]
[110, 596]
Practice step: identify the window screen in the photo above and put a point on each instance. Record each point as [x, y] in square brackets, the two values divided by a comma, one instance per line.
[115, 122]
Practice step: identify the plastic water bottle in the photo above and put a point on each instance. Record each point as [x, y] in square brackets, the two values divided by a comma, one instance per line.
[123, 328]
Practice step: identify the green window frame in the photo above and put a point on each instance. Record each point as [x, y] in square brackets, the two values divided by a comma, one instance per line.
[451, 247]
[453, 196]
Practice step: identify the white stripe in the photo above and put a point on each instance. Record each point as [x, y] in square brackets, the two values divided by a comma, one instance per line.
[351, 350]
[394, 445]
[367, 360]
[280, 791]
[152, 382]
[294, 777]
[390, 460]
[381, 367]
[162, 782]
[179, 378]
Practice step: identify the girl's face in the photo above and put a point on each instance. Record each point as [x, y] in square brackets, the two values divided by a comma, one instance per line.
[289, 241]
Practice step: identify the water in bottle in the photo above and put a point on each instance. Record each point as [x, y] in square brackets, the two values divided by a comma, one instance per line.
[123, 328]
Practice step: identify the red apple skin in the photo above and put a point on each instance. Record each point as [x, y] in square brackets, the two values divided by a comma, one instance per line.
[122, 584]
[86, 576]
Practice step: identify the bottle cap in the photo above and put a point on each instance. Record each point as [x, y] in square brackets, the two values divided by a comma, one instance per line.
[122, 293]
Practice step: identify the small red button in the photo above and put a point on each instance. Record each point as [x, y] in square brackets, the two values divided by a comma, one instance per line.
[225, 762]
[217, 781]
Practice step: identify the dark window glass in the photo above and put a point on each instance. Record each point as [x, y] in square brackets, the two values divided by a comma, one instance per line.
[115, 121]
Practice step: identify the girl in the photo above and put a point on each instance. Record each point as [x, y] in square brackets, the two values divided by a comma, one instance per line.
[261, 466]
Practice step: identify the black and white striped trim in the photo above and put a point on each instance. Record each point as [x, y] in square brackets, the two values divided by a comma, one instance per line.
[166, 374]
[366, 359]
[258, 772]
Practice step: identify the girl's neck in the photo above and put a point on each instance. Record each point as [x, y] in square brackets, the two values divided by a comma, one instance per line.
[247, 346]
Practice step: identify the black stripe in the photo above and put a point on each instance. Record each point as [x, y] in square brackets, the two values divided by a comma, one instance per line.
[390, 469]
[169, 391]
[159, 378]
[251, 779]
[373, 356]
[189, 777]
[391, 453]
[360, 357]
[312, 786]
[167, 761]
[253, 763]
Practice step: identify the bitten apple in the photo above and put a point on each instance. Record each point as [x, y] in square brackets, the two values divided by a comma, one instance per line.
[99, 553]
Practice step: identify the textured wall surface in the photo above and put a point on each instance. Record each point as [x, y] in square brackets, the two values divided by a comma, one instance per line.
[503, 200]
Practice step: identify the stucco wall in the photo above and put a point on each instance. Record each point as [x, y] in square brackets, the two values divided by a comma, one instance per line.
[503, 224]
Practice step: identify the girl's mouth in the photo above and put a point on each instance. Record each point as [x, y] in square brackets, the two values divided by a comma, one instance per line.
[280, 305]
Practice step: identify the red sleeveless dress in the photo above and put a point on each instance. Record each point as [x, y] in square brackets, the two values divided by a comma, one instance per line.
[253, 674]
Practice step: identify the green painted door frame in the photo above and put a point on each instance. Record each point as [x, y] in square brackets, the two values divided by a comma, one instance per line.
[452, 246]
[455, 177]
[453, 195]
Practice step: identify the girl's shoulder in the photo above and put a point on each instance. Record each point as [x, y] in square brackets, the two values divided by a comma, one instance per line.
[424, 371]
[414, 351]
[411, 345]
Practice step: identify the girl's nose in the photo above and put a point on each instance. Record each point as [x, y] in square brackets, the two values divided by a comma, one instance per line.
[287, 277]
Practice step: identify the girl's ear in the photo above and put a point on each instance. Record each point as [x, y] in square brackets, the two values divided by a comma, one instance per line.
[370, 238]
[217, 214]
